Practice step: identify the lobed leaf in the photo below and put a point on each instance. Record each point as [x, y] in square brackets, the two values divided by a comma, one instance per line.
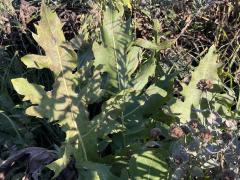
[112, 53]
[63, 103]
[207, 69]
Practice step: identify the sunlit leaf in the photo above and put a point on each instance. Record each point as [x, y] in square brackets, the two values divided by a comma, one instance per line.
[148, 165]
[112, 54]
[207, 69]
[62, 104]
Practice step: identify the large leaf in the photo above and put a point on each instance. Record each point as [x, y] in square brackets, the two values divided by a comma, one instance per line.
[63, 104]
[207, 69]
[127, 114]
[51, 38]
[121, 55]
[117, 60]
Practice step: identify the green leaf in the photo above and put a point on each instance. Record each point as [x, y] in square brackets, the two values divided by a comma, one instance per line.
[146, 71]
[32, 92]
[51, 38]
[139, 112]
[70, 113]
[121, 55]
[133, 59]
[148, 165]
[207, 69]
[112, 53]
[65, 103]
[36, 61]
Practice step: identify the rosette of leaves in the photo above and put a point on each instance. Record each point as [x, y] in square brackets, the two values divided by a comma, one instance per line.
[197, 99]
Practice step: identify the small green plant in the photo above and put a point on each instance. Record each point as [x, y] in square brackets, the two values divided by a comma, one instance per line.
[126, 96]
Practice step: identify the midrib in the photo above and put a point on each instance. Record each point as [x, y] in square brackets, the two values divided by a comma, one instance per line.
[68, 94]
